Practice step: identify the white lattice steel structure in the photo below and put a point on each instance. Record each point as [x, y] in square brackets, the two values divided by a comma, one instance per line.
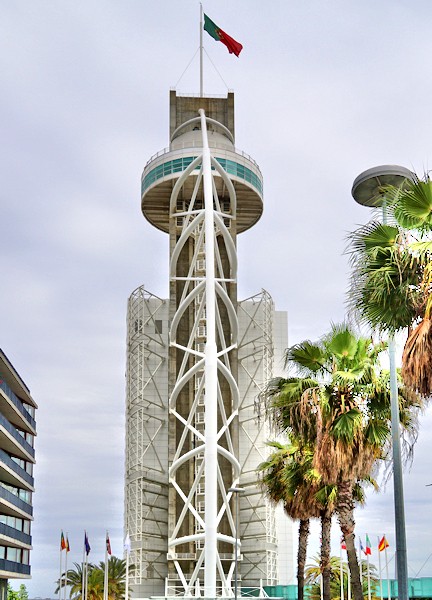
[196, 366]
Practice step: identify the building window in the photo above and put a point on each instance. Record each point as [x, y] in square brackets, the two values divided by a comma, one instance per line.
[158, 326]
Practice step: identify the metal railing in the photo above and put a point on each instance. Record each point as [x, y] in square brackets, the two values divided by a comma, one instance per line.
[14, 567]
[15, 534]
[16, 501]
[17, 437]
[19, 471]
[17, 403]
[193, 144]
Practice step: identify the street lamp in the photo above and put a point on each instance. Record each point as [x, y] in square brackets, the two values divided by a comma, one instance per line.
[369, 190]
[236, 491]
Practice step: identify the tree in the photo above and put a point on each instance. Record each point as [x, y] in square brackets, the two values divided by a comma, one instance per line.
[338, 568]
[95, 580]
[116, 577]
[12, 594]
[22, 592]
[340, 399]
[289, 478]
[391, 284]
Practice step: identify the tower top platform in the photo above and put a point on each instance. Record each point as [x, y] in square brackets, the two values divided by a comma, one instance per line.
[164, 168]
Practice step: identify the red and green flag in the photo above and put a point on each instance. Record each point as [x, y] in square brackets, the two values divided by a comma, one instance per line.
[368, 546]
[220, 36]
[63, 545]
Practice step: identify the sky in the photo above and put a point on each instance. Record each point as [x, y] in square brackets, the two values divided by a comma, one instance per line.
[324, 89]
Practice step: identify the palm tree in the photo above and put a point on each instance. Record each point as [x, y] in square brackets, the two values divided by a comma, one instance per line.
[341, 400]
[95, 580]
[391, 285]
[337, 567]
[116, 577]
[286, 476]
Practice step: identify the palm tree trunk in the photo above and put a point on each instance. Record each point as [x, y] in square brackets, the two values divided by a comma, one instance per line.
[301, 556]
[345, 512]
[325, 554]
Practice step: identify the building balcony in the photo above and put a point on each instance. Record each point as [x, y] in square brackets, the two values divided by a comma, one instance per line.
[13, 442]
[13, 570]
[14, 506]
[13, 474]
[9, 536]
[13, 409]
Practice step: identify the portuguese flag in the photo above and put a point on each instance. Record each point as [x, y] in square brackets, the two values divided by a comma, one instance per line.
[220, 36]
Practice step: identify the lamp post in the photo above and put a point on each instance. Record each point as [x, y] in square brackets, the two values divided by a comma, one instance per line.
[236, 491]
[369, 190]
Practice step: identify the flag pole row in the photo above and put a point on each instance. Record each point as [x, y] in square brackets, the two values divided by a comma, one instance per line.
[63, 581]
[382, 545]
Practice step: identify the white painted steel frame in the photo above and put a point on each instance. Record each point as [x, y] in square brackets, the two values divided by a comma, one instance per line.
[205, 287]
[146, 485]
[256, 364]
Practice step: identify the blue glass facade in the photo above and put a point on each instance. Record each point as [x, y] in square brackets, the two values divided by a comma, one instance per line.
[17, 457]
[180, 164]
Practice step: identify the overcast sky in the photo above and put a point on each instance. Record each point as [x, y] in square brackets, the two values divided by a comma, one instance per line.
[324, 90]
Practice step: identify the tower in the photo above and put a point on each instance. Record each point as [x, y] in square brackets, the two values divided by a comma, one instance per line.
[197, 364]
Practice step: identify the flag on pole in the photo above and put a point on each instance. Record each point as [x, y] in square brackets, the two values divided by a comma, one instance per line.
[108, 545]
[343, 545]
[220, 36]
[86, 544]
[127, 544]
[361, 546]
[62, 542]
[383, 544]
[67, 544]
[368, 546]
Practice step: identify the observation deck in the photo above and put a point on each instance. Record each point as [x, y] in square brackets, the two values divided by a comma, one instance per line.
[164, 168]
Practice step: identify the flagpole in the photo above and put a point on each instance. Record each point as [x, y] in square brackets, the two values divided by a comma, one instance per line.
[387, 572]
[349, 581]
[201, 53]
[67, 543]
[85, 577]
[380, 574]
[105, 594]
[127, 576]
[83, 586]
[341, 575]
[368, 577]
[127, 547]
[60, 578]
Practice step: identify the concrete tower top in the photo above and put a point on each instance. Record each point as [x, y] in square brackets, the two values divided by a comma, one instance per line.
[165, 167]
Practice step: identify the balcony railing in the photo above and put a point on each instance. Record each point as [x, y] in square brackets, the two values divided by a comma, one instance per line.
[12, 499]
[19, 471]
[17, 437]
[14, 567]
[17, 403]
[15, 534]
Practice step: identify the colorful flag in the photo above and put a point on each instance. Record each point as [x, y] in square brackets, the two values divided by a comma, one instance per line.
[127, 544]
[361, 547]
[67, 544]
[343, 545]
[86, 544]
[383, 544]
[108, 545]
[62, 542]
[368, 546]
[220, 36]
